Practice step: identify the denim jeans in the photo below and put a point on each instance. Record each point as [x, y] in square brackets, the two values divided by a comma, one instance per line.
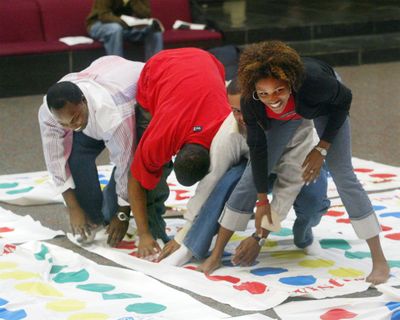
[101, 206]
[352, 194]
[205, 226]
[156, 197]
[311, 203]
[113, 35]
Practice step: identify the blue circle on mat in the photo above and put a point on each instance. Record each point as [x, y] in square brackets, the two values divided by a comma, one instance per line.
[298, 280]
[267, 270]
[376, 208]
[390, 214]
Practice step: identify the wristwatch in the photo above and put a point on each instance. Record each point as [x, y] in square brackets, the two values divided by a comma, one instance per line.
[260, 240]
[322, 151]
[122, 216]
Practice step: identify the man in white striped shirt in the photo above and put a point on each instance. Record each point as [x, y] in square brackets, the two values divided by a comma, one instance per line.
[80, 116]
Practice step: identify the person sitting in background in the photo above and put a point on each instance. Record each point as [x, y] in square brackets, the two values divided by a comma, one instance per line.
[106, 24]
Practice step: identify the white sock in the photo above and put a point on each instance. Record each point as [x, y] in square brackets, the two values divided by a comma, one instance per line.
[179, 257]
[314, 249]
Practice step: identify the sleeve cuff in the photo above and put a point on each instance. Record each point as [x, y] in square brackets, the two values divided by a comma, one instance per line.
[69, 184]
[122, 202]
[366, 228]
[234, 220]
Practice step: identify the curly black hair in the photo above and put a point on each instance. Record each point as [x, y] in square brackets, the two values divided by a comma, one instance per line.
[269, 59]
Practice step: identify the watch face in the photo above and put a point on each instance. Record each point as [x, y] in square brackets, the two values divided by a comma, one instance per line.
[322, 151]
[261, 242]
[122, 216]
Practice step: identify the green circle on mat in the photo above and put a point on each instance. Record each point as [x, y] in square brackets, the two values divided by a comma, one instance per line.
[79, 276]
[117, 296]
[19, 190]
[357, 254]
[8, 185]
[335, 243]
[284, 232]
[145, 308]
[96, 287]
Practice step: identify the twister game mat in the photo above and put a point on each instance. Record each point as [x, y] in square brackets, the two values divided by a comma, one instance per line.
[43, 281]
[383, 307]
[282, 270]
[36, 188]
[16, 229]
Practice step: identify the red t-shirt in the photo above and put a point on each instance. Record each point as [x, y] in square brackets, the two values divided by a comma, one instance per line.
[184, 91]
[288, 113]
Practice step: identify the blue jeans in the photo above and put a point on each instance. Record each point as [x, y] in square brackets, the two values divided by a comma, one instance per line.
[309, 206]
[205, 226]
[113, 35]
[101, 206]
[352, 194]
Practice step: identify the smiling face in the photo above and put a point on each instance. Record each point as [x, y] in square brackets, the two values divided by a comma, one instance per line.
[274, 93]
[72, 116]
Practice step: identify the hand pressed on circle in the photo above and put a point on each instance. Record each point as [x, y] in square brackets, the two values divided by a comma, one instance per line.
[247, 252]
[147, 246]
[116, 231]
[79, 222]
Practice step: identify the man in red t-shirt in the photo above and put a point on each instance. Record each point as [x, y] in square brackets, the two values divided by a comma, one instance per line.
[184, 92]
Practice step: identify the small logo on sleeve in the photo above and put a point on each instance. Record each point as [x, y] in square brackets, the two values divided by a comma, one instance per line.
[197, 128]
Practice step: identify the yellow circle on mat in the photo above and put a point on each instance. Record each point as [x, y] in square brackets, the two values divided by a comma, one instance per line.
[19, 275]
[271, 243]
[41, 180]
[89, 316]
[289, 254]
[236, 237]
[8, 265]
[38, 289]
[318, 263]
[66, 305]
[346, 272]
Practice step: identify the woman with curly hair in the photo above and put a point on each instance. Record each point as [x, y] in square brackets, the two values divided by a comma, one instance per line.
[279, 86]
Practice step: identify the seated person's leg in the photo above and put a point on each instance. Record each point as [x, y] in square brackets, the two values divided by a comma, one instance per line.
[310, 205]
[111, 34]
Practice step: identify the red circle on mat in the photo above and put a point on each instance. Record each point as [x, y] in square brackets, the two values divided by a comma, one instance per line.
[382, 175]
[333, 213]
[363, 170]
[338, 314]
